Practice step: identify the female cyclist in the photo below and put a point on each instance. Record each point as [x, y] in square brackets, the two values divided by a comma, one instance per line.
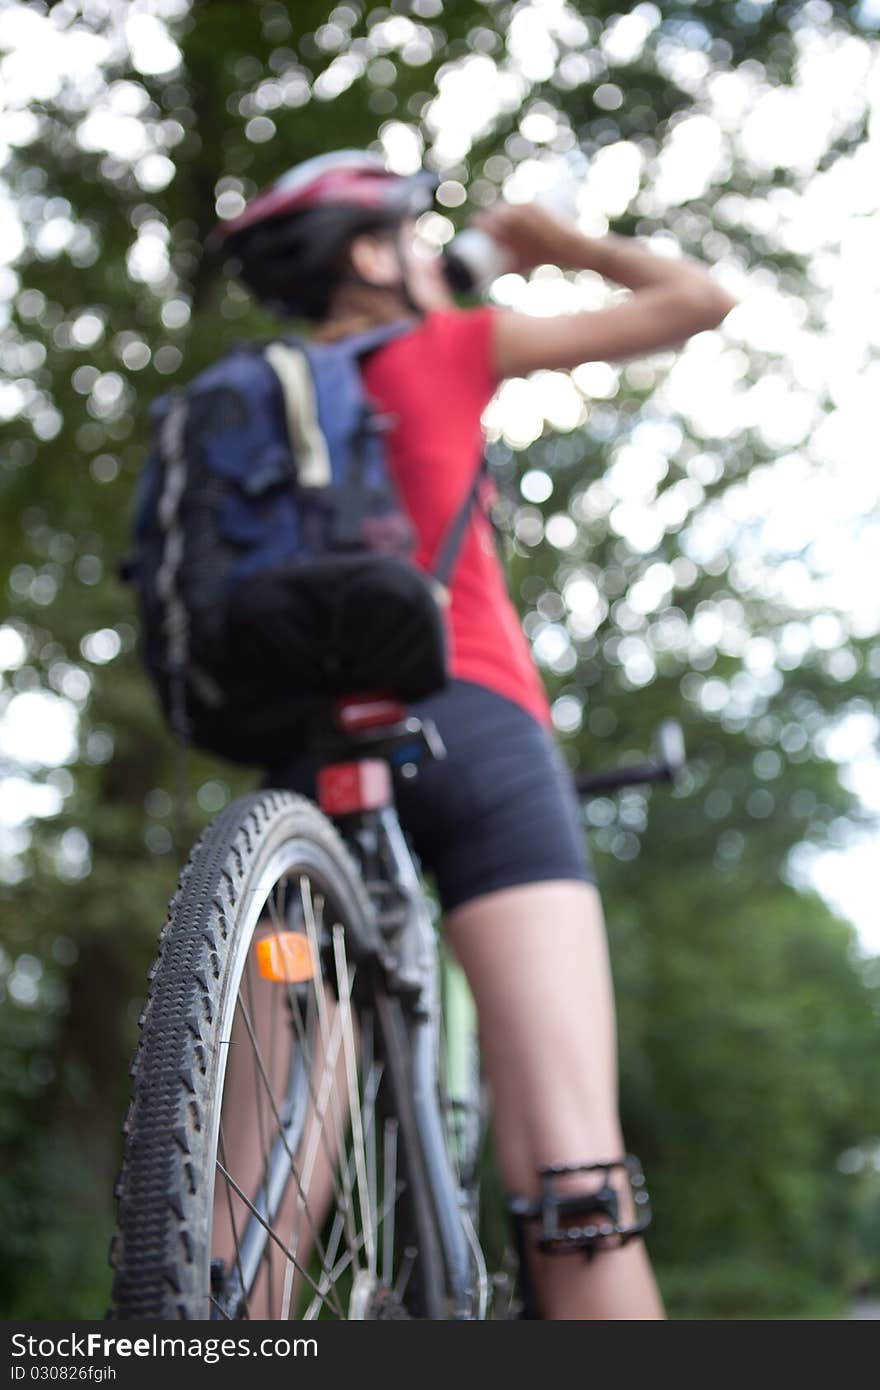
[334, 242]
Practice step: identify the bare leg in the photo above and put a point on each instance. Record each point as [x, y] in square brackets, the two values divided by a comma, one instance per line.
[537, 962]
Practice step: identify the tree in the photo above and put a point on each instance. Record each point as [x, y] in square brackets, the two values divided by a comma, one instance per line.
[746, 1015]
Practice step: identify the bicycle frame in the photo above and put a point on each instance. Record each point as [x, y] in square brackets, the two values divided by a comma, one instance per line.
[386, 971]
[413, 971]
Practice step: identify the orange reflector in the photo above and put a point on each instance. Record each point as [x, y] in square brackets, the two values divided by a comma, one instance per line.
[286, 957]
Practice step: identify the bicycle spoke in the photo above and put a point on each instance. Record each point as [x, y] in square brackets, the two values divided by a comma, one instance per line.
[260, 1071]
[348, 1166]
[329, 1063]
[274, 911]
[345, 1260]
[302, 1188]
[273, 1037]
[222, 1148]
[368, 1109]
[273, 1021]
[371, 1090]
[406, 1268]
[320, 1101]
[316, 1135]
[479, 1265]
[279, 921]
[332, 1247]
[390, 1178]
[303, 1205]
[343, 984]
[312, 932]
[272, 1236]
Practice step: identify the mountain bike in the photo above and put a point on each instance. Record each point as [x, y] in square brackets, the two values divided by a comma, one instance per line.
[307, 1119]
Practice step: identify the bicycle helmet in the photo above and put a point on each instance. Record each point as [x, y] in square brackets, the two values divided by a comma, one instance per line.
[289, 241]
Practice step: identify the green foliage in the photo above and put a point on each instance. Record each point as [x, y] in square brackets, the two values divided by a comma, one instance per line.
[748, 1020]
[739, 1287]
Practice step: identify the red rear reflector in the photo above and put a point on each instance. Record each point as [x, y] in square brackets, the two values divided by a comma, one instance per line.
[347, 787]
[368, 712]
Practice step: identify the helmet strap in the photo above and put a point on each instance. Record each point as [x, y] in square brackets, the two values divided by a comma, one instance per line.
[353, 277]
[404, 280]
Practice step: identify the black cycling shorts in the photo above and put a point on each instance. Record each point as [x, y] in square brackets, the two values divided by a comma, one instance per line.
[498, 811]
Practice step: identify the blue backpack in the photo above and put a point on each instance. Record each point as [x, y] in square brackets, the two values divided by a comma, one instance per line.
[272, 557]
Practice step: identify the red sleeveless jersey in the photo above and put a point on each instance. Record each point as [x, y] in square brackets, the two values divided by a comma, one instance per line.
[436, 381]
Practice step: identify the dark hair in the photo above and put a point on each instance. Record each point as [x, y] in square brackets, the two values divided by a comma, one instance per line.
[292, 264]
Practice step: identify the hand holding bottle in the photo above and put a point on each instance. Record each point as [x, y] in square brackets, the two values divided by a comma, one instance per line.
[513, 237]
[529, 234]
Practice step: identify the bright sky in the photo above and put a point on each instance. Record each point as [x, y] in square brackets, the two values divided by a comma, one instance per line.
[804, 528]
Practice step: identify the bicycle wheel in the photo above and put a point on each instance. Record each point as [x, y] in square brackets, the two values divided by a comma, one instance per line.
[272, 1166]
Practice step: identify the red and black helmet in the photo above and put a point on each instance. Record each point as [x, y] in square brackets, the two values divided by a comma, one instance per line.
[343, 179]
[289, 240]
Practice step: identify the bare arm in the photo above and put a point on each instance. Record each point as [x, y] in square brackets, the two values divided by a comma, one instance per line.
[671, 299]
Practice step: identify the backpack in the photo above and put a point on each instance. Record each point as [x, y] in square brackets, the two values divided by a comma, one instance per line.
[272, 558]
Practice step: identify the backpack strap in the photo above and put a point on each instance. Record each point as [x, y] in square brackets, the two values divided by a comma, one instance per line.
[289, 359]
[359, 344]
[450, 546]
[451, 543]
[291, 366]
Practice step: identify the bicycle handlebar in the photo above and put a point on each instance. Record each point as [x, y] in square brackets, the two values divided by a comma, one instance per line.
[670, 761]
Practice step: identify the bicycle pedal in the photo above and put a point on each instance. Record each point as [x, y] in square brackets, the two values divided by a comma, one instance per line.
[560, 1216]
[584, 1238]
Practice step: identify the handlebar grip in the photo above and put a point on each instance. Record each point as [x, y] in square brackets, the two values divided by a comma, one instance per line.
[670, 747]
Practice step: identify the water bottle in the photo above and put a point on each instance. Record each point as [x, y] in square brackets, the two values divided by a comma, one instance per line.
[474, 259]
